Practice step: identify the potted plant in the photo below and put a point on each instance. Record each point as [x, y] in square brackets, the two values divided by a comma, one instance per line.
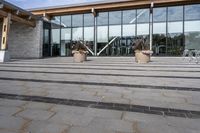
[142, 52]
[79, 52]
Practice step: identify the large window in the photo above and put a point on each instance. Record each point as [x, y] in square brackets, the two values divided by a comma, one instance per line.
[77, 20]
[102, 31]
[77, 28]
[66, 35]
[89, 31]
[114, 33]
[55, 36]
[175, 13]
[159, 31]
[128, 31]
[66, 21]
[77, 34]
[143, 23]
[66, 42]
[175, 28]
[102, 18]
[143, 15]
[175, 43]
[129, 23]
[192, 27]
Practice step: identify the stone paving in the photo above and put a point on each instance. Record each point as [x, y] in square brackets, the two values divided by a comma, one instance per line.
[56, 95]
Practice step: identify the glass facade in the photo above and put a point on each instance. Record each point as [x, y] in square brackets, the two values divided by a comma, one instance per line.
[192, 27]
[112, 33]
[55, 36]
[159, 31]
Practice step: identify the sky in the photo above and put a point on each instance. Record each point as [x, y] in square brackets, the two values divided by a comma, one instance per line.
[28, 4]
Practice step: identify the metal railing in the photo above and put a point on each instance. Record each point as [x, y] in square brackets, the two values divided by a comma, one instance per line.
[107, 45]
[191, 56]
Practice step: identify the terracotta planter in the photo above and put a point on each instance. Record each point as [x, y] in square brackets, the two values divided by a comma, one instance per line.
[79, 56]
[142, 56]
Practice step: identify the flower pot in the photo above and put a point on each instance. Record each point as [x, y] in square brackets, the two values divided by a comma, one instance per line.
[79, 56]
[142, 56]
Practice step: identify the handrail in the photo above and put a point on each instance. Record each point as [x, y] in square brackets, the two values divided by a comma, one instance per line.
[107, 45]
[116, 36]
[87, 48]
[193, 55]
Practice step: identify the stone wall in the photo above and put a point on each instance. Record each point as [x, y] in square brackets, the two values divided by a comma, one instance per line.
[25, 41]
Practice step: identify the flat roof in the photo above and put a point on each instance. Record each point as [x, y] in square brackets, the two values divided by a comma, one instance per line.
[79, 4]
[17, 14]
[105, 5]
[12, 8]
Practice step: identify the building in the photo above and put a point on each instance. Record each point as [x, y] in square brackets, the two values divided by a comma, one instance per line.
[109, 28]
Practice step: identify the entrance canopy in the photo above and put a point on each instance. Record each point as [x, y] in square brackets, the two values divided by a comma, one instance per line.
[16, 14]
[8, 14]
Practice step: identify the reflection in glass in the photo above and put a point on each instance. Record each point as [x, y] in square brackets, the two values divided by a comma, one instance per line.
[55, 42]
[175, 13]
[192, 35]
[143, 15]
[159, 39]
[102, 37]
[88, 33]
[114, 33]
[115, 17]
[66, 34]
[159, 28]
[126, 25]
[102, 18]
[77, 34]
[55, 36]
[129, 17]
[114, 30]
[129, 30]
[66, 42]
[66, 21]
[102, 34]
[159, 14]
[143, 29]
[128, 36]
[89, 37]
[175, 43]
[102, 31]
[114, 36]
[159, 31]
[88, 20]
[77, 20]
[143, 23]
[56, 20]
[192, 12]
[175, 27]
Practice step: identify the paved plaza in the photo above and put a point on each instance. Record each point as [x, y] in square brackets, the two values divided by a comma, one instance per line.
[102, 95]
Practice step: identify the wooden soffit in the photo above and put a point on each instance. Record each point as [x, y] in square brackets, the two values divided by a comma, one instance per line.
[117, 5]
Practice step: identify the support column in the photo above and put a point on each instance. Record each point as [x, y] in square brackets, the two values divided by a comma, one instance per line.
[95, 36]
[4, 54]
[151, 25]
[95, 30]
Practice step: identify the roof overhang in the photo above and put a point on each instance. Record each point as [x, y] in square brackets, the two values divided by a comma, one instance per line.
[17, 14]
[107, 6]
